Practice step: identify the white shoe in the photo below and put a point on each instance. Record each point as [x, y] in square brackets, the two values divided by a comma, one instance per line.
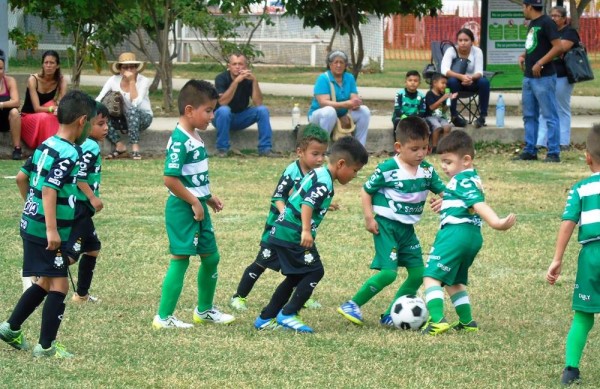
[212, 316]
[88, 298]
[169, 322]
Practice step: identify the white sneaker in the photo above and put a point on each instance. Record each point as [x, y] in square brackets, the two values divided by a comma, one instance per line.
[169, 322]
[88, 298]
[212, 316]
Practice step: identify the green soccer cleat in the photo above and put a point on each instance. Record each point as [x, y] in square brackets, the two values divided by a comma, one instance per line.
[238, 303]
[56, 350]
[433, 329]
[312, 304]
[13, 338]
[471, 327]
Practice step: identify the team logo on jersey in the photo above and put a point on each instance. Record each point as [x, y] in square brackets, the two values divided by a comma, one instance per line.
[24, 224]
[196, 154]
[77, 245]
[394, 255]
[427, 173]
[308, 257]
[196, 240]
[266, 253]
[59, 262]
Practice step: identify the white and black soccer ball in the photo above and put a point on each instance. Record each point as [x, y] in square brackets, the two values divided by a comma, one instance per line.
[409, 313]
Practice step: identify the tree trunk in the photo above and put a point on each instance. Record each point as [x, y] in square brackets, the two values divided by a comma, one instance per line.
[155, 82]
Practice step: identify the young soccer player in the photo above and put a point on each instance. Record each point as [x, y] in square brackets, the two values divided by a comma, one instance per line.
[459, 239]
[294, 232]
[438, 104]
[83, 235]
[393, 200]
[47, 182]
[583, 207]
[188, 222]
[311, 151]
[409, 101]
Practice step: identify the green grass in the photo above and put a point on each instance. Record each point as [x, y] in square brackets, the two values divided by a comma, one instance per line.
[523, 320]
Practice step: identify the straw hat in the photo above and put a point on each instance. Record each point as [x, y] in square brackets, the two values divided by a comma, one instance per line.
[126, 59]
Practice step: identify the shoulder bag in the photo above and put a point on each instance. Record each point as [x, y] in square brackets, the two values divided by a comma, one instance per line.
[577, 64]
[339, 131]
[113, 100]
[459, 65]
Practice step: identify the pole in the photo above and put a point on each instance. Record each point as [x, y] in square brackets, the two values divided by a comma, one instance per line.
[483, 35]
[4, 31]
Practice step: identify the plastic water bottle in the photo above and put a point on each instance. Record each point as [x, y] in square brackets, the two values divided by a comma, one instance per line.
[500, 108]
[448, 100]
[295, 115]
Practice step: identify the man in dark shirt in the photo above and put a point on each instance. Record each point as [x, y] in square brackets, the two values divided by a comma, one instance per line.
[236, 86]
[541, 46]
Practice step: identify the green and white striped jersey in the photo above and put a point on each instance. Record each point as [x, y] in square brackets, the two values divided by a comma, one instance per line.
[583, 208]
[187, 159]
[290, 177]
[90, 167]
[462, 192]
[53, 164]
[397, 194]
[316, 191]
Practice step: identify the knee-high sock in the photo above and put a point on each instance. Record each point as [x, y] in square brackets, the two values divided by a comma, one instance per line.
[249, 278]
[578, 334]
[85, 273]
[172, 286]
[434, 297]
[29, 301]
[462, 305]
[207, 281]
[52, 315]
[281, 296]
[374, 285]
[410, 285]
[303, 291]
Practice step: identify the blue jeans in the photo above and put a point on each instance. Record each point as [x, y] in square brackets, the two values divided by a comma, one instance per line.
[539, 100]
[226, 121]
[563, 101]
[481, 86]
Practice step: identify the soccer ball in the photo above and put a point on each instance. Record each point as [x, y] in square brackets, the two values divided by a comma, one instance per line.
[409, 313]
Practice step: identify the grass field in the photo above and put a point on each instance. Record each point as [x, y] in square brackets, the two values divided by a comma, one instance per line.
[523, 320]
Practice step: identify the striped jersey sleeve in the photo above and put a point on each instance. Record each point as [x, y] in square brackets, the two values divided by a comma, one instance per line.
[90, 167]
[583, 208]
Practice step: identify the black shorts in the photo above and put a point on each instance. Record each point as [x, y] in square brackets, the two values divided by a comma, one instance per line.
[83, 237]
[37, 261]
[297, 259]
[267, 257]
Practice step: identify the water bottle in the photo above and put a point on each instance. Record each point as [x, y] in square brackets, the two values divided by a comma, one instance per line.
[448, 100]
[295, 116]
[500, 108]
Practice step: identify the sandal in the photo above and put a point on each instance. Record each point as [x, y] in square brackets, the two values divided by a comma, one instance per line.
[136, 155]
[116, 154]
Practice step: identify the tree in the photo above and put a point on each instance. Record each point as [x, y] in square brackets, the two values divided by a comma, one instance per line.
[346, 16]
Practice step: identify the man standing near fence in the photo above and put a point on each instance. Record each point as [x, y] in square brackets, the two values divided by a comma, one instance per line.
[236, 86]
[539, 84]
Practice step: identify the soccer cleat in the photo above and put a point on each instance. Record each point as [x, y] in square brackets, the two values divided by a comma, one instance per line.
[13, 338]
[55, 350]
[570, 376]
[351, 311]
[238, 303]
[386, 320]
[293, 322]
[212, 316]
[471, 327]
[169, 322]
[266, 324]
[312, 304]
[88, 298]
[433, 329]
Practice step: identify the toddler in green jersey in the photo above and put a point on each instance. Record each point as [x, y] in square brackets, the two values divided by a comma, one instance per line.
[583, 209]
[393, 200]
[409, 100]
[459, 239]
[293, 234]
[187, 219]
[47, 182]
[311, 150]
[84, 240]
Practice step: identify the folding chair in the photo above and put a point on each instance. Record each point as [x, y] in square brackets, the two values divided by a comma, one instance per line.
[468, 102]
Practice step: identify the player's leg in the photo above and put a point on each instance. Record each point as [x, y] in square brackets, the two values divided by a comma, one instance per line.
[52, 315]
[462, 305]
[172, 285]
[576, 340]
[288, 316]
[410, 286]
[10, 330]
[282, 294]
[85, 274]
[266, 257]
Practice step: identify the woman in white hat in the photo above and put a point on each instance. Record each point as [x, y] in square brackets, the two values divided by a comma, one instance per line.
[137, 111]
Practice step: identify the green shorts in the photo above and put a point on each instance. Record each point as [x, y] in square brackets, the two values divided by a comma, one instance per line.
[586, 294]
[396, 245]
[186, 235]
[453, 252]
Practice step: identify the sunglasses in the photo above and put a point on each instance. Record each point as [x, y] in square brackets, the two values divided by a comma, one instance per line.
[130, 66]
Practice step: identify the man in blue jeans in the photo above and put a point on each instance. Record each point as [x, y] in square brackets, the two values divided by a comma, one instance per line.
[539, 84]
[236, 86]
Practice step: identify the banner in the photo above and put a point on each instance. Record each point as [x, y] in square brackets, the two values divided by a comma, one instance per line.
[507, 31]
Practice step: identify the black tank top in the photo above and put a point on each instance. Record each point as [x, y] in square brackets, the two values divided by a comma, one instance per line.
[43, 97]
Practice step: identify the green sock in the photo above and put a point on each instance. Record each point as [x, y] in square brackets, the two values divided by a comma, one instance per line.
[172, 286]
[434, 296]
[580, 327]
[410, 286]
[207, 281]
[374, 285]
[462, 305]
